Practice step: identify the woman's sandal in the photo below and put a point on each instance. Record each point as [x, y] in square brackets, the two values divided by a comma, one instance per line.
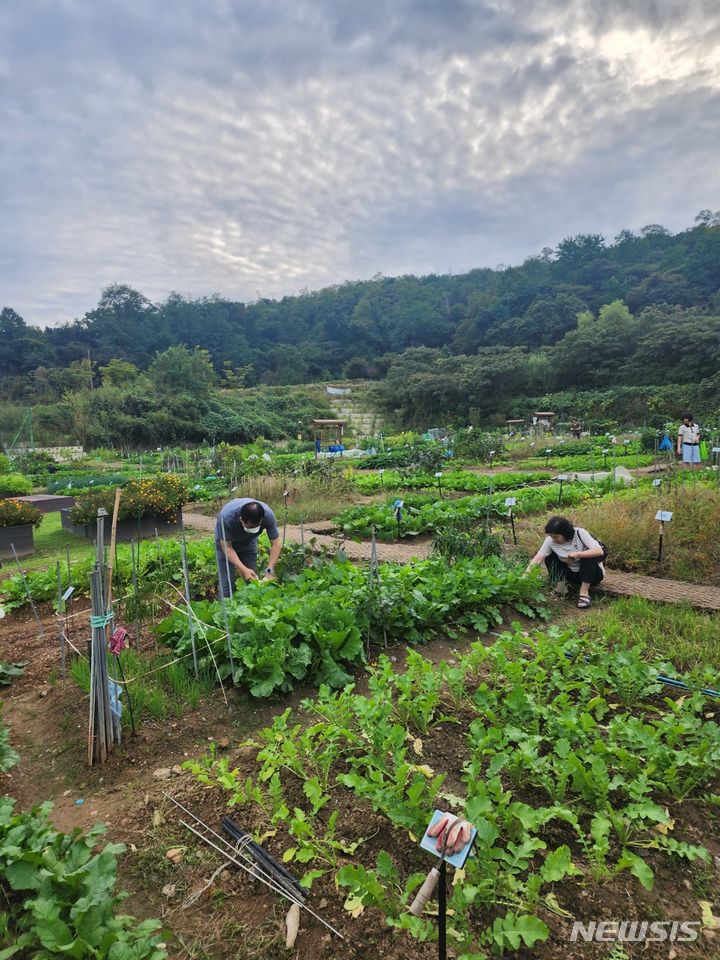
[584, 602]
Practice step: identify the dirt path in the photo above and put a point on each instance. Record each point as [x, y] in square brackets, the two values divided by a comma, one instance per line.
[616, 582]
[319, 532]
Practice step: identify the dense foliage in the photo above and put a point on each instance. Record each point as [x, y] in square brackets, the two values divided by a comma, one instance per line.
[14, 485]
[316, 625]
[563, 328]
[8, 757]
[75, 482]
[457, 480]
[157, 565]
[59, 896]
[422, 513]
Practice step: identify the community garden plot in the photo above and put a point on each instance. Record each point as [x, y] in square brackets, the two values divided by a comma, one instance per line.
[592, 784]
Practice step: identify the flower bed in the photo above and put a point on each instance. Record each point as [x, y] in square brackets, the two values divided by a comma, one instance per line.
[159, 497]
[16, 528]
[130, 529]
[14, 513]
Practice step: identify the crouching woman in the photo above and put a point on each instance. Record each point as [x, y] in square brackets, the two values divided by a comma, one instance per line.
[571, 556]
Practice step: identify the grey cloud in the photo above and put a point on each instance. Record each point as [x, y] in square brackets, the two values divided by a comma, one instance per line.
[233, 147]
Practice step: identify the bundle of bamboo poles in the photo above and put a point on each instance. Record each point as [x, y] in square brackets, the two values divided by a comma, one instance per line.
[104, 729]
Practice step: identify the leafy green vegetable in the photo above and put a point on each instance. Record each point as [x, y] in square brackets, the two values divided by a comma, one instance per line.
[315, 625]
[58, 894]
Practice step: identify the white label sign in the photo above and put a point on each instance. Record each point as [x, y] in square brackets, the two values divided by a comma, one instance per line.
[510, 501]
[664, 516]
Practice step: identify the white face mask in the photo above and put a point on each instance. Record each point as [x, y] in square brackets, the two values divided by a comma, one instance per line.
[251, 529]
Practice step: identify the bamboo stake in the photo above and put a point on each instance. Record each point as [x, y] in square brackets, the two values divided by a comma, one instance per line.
[61, 609]
[29, 595]
[186, 577]
[113, 551]
[135, 593]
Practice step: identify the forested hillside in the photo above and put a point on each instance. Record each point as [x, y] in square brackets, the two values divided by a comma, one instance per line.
[591, 316]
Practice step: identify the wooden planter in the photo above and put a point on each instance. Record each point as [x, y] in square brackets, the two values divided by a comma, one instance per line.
[22, 539]
[126, 529]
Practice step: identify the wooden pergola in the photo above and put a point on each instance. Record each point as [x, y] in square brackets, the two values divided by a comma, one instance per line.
[321, 428]
[544, 418]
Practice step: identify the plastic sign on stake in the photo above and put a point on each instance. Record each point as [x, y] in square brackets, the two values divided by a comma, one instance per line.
[657, 483]
[561, 478]
[68, 593]
[429, 843]
[664, 516]
[510, 501]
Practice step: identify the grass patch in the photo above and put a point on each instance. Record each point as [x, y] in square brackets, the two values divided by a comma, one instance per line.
[308, 501]
[673, 632]
[628, 526]
[171, 690]
[52, 542]
[626, 523]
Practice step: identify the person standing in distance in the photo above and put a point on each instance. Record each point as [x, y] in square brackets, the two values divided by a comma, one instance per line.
[688, 442]
[238, 526]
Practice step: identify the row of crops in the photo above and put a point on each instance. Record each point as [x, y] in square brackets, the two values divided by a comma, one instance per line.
[567, 756]
[423, 513]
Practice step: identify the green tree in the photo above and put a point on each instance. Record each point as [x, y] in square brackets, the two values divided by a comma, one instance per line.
[179, 370]
[119, 373]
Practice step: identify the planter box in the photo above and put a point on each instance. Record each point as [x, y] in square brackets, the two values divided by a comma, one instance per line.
[126, 529]
[22, 539]
[47, 502]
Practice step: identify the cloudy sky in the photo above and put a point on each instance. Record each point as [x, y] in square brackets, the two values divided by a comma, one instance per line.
[242, 147]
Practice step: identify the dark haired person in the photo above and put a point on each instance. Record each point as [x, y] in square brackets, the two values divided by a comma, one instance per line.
[238, 526]
[571, 555]
[688, 442]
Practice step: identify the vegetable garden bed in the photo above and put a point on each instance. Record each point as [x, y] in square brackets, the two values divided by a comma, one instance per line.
[592, 791]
